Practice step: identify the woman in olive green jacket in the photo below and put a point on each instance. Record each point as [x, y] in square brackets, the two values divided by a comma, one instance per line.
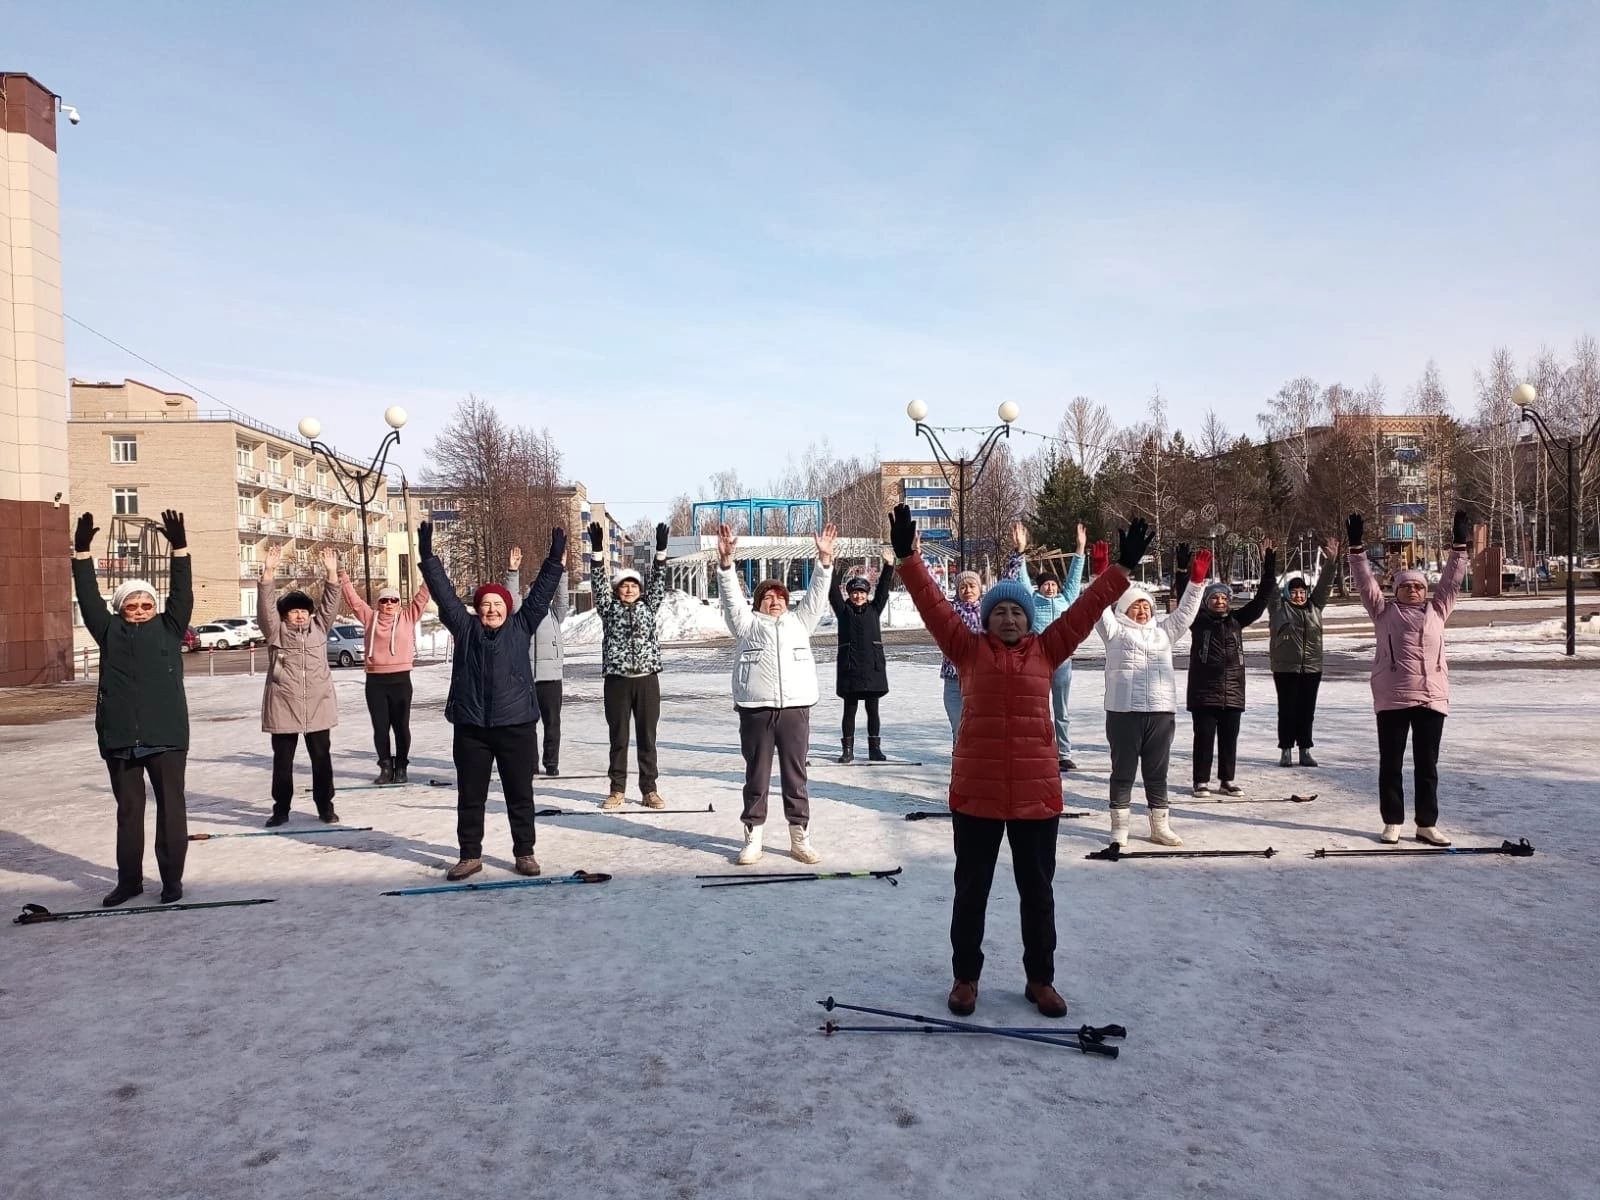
[1295, 624]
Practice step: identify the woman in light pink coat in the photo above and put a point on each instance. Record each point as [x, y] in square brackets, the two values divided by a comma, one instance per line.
[1410, 678]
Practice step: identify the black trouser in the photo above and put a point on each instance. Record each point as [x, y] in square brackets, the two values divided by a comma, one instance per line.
[1297, 707]
[1033, 863]
[639, 697]
[317, 747]
[509, 748]
[1427, 726]
[172, 819]
[548, 692]
[873, 726]
[1221, 727]
[786, 732]
[389, 706]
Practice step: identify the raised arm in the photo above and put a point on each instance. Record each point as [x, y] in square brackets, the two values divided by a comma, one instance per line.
[1017, 569]
[328, 603]
[91, 604]
[1449, 586]
[353, 600]
[1066, 633]
[537, 604]
[1176, 623]
[655, 588]
[1367, 588]
[1250, 613]
[818, 591]
[944, 624]
[452, 613]
[180, 583]
[1330, 568]
[1072, 582]
[599, 570]
[559, 603]
[880, 597]
[736, 612]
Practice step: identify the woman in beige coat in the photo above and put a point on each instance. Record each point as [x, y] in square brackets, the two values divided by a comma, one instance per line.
[299, 697]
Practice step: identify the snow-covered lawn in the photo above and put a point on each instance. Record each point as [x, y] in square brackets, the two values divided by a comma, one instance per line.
[1297, 1028]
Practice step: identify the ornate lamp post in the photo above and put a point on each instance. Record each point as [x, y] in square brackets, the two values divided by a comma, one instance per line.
[1580, 450]
[359, 486]
[967, 470]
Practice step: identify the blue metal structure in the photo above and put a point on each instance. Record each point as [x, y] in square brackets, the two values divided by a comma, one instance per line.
[755, 510]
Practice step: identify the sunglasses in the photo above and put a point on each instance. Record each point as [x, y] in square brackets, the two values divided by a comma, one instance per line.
[145, 607]
[387, 600]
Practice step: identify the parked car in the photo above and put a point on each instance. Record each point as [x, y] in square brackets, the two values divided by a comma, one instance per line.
[347, 645]
[220, 637]
[191, 640]
[248, 626]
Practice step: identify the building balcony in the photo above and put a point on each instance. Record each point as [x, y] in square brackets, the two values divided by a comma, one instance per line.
[301, 529]
[249, 524]
[300, 487]
[278, 483]
[247, 475]
[275, 525]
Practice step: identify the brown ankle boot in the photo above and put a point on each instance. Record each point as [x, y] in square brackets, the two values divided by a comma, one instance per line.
[467, 866]
[963, 997]
[527, 864]
[654, 800]
[1046, 998]
[612, 801]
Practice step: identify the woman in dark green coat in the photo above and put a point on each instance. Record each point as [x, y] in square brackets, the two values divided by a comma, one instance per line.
[1294, 617]
[141, 715]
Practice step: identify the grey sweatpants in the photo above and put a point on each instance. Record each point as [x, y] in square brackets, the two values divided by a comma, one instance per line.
[786, 732]
[1140, 741]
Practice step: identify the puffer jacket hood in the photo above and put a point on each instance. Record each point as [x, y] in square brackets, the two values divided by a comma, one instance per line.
[1139, 672]
[773, 666]
[1135, 592]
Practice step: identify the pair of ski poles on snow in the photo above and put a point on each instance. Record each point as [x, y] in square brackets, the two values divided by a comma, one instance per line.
[1090, 1039]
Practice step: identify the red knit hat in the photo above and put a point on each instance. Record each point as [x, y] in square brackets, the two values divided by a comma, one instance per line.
[769, 585]
[491, 589]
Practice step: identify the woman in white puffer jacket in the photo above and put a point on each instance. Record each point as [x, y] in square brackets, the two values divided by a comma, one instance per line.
[1142, 693]
[774, 687]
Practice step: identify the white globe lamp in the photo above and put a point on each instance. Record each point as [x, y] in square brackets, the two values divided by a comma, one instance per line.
[917, 410]
[1009, 411]
[310, 428]
[395, 416]
[1525, 395]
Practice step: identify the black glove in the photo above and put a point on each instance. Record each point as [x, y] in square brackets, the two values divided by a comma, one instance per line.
[1180, 556]
[1135, 541]
[1355, 531]
[1460, 528]
[558, 545]
[83, 539]
[597, 537]
[902, 531]
[424, 539]
[1269, 565]
[661, 538]
[172, 526]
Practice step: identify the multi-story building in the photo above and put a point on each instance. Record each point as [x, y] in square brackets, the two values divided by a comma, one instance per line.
[242, 485]
[858, 507]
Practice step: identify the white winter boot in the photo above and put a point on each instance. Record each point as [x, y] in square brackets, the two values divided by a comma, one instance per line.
[1160, 833]
[1390, 835]
[800, 848]
[1119, 826]
[752, 846]
[1431, 835]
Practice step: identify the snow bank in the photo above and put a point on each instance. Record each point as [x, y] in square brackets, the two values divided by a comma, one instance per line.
[682, 618]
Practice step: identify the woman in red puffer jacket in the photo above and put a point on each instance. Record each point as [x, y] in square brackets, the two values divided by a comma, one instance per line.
[1004, 779]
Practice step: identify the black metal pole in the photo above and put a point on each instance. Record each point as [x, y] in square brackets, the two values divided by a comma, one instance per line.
[1572, 563]
[366, 546]
[961, 517]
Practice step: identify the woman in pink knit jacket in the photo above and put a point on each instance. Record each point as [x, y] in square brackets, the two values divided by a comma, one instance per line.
[391, 649]
[1410, 679]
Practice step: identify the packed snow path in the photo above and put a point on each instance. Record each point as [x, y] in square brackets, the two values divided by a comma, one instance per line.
[1296, 1028]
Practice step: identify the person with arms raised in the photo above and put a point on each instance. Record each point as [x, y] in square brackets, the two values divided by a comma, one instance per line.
[549, 664]
[630, 659]
[391, 651]
[861, 675]
[1051, 598]
[1294, 617]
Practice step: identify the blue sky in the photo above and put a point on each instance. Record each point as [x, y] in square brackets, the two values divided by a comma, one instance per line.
[691, 236]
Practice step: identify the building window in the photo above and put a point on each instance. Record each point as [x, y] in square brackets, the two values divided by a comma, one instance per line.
[124, 448]
[245, 455]
[275, 508]
[247, 505]
[247, 602]
[275, 462]
[300, 512]
[125, 502]
[300, 469]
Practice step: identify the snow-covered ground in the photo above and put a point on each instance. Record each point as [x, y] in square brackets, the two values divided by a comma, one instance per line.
[1297, 1028]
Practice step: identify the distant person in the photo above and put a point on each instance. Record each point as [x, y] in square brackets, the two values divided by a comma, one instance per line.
[549, 664]
[861, 673]
[1294, 618]
[1410, 678]
[1051, 598]
[774, 688]
[630, 659]
[298, 697]
[141, 715]
[390, 633]
[969, 592]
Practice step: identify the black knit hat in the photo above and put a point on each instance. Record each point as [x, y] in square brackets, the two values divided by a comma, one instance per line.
[1296, 582]
[1044, 577]
[291, 600]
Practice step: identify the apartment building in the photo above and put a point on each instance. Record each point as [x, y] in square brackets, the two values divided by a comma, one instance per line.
[858, 508]
[243, 485]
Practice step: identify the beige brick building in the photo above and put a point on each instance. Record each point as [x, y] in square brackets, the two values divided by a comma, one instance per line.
[242, 485]
[858, 508]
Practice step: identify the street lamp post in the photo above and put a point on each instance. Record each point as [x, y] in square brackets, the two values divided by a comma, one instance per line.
[1579, 450]
[964, 466]
[359, 486]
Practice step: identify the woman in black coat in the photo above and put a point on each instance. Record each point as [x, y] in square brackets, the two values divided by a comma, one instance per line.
[141, 715]
[863, 676]
[1216, 672]
[492, 703]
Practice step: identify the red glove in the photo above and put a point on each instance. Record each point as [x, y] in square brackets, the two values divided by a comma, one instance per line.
[1200, 567]
[1099, 558]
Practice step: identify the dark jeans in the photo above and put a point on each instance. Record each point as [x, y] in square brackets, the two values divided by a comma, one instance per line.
[638, 697]
[317, 747]
[786, 732]
[389, 706]
[509, 748]
[1427, 729]
[172, 820]
[1033, 863]
[1297, 707]
[1219, 727]
[548, 692]
[874, 728]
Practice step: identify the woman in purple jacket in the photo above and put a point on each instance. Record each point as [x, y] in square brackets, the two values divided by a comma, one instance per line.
[1410, 680]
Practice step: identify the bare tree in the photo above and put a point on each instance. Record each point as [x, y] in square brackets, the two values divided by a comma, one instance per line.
[1289, 419]
[680, 518]
[1088, 430]
[1429, 401]
[998, 500]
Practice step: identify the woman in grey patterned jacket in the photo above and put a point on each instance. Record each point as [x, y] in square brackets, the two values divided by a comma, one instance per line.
[630, 658]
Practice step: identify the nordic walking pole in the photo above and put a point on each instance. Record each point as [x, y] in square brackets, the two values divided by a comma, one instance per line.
[935, 816]
[752, 880]
[1086, 1033]
[211, 837]
[623, 812]
[1521, 848]
[1087, 1047]
[38, 914]
[500, 885]
[1115, 853]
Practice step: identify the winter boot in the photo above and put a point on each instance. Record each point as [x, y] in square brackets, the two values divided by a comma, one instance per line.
[875, 750]
[1229, 788]
[1431, 835]
[752, 846]
[527, 864]
[327, 816]
[385, 772]
[1160, 833]
[654, 800]
[1119, 826]
[1305, 758]
[399, 770]
[1286, 759]
[467, 866]
[552, 771]
[1066, 764]
[1390, 835]
[171, 893]
[1045, 997]
[121, 893]
[280, 816]
[963, 997]
[613, 800]
[800, 848]
[848, 754]
[1202, 787]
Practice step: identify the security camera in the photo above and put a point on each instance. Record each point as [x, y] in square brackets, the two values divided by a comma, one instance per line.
[70, 113]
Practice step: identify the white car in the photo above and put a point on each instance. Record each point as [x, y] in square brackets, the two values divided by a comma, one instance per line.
[221, 637]
[246, 626]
